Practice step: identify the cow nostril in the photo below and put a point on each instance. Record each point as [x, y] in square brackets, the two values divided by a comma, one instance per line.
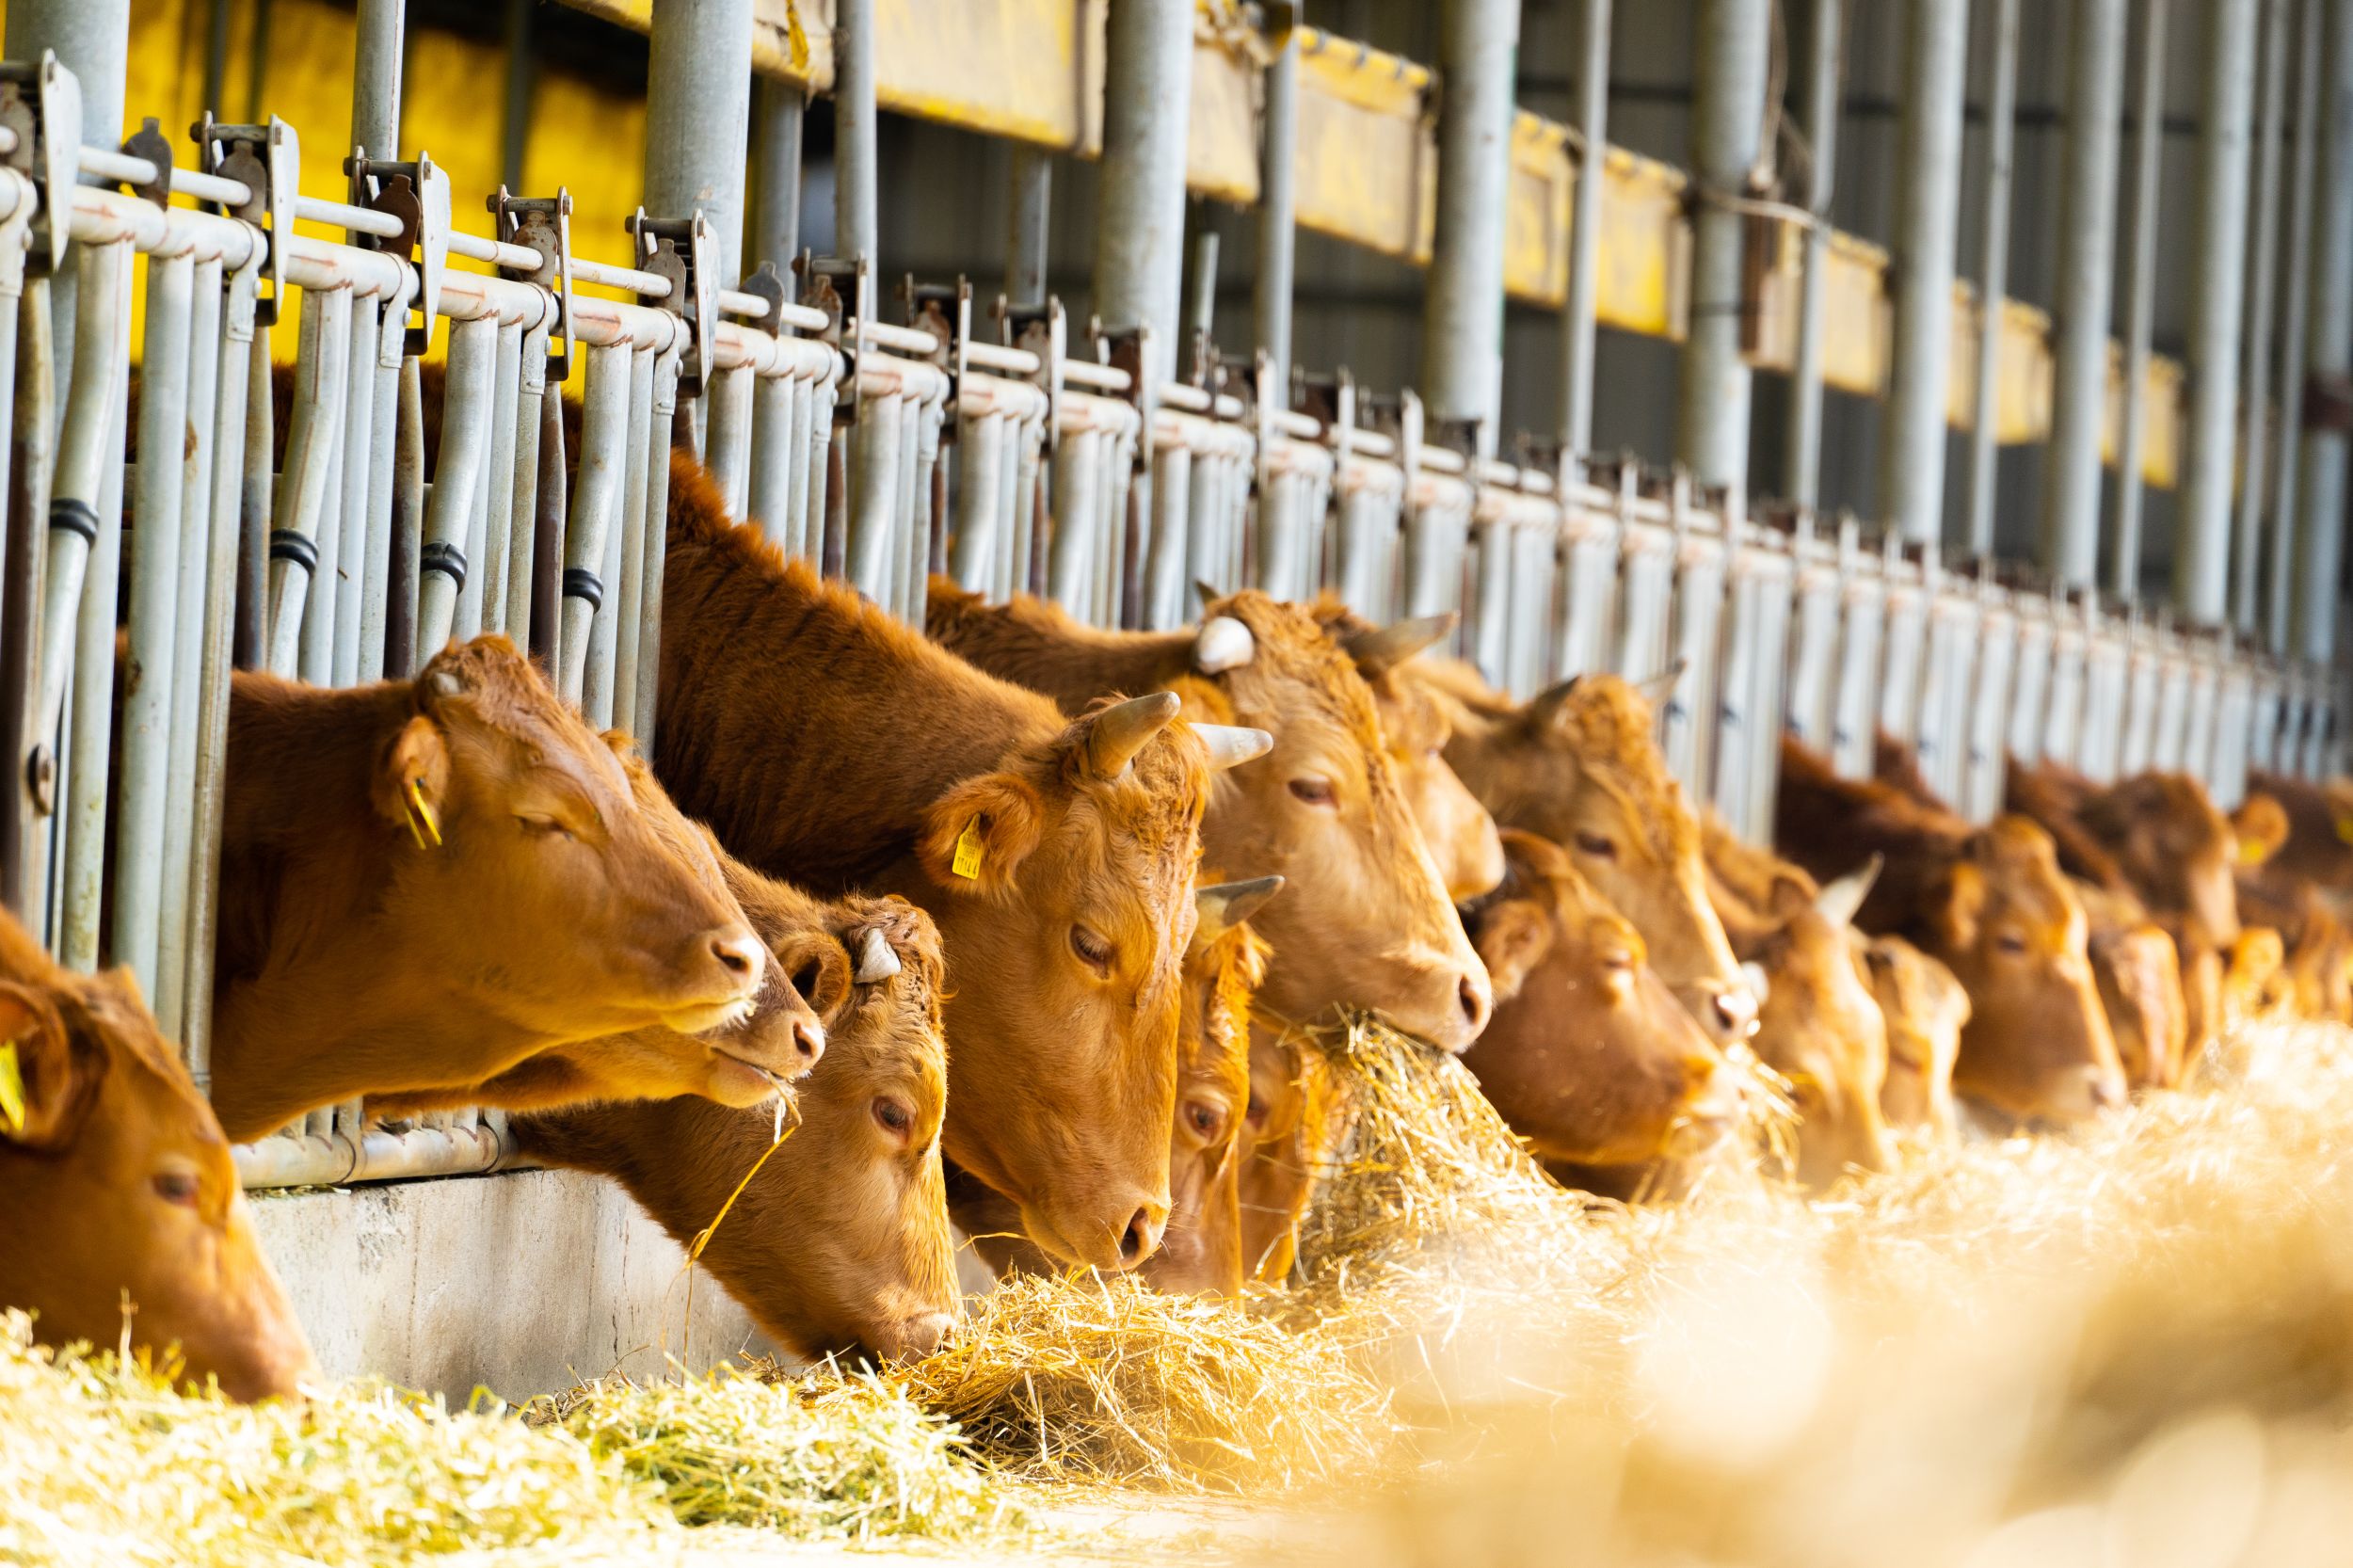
[1138, 1239]
[2108, 1091]
[808, 1041]
[1474, 1000]
[738, 955]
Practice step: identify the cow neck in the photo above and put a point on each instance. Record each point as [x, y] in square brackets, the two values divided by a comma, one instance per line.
[807, 727]
[317, 998]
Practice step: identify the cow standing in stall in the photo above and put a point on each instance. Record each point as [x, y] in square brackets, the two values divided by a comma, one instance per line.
[826, 742]
[122, 1195]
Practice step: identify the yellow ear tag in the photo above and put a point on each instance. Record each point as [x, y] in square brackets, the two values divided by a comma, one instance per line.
[968, 862]
[423, 824]
[12, 1087]
[2250, 850]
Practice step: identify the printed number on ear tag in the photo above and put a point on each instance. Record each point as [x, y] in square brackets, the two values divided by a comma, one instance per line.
[12, 1087]
[967, 862]
[423, 824]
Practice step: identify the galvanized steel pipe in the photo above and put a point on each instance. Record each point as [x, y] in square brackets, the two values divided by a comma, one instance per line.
[1824, 60]
[2079, 392]
[2140, 263]
[699, 106]
[1727, 108]
[1270, 302]
[1140, 227]
[777, 110]
[1912, 455]
[2310, 32]
[1992, 277]
[855, 229]
[2201, 553]
[2327, 356]
[1029, 206]
[1462, 331]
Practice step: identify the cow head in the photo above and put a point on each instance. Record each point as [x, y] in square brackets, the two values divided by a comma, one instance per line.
[1202, 1250]
[1924, 1010]
[1578, 765]
[2258, 830]
[121, 1187]
[2176, 846]
[1591, 1058]
[1367, 923]
[2001, 915]
[1296, 1119]
[1821, 1028]
[1063, 884]
[2139, 977]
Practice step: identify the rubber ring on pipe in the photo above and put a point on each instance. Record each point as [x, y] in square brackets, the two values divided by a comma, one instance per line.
[287, 545]
[76, 515]
[447, 559]
[580, 582]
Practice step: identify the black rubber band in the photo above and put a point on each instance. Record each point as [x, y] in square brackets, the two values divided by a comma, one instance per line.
[76, 515]
[447, 559]
[580, 582]
[287, 545]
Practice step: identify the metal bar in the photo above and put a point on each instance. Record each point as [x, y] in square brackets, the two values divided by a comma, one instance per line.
[1577, 320]
[313, 427]
[524, 508]
[450, 508]
[256, 507]
[1201, 305]
[612, 647]
[1827, 51]
[1912, 452]
[2070, 503]
[2292, 324]
[2201, 554]
[362, 575]
[387, 570]
[855, 227]
[498, 512]
[515, 118]
[375, 67]
[1140, 225]
[32, 450]
[2140, 279]
[604, 428]
[698, 117]
[777, 106]
[1992, 276]
[1029, 210]
[655, 558]
[1727, 110]
[1278, 195]
[2328, 356]
[403, 585]
[92, 40]
[2254, 454]
[1462, 324]
[84, 453]
[547, 524]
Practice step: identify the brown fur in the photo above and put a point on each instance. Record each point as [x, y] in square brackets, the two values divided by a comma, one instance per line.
[840, 1243]
[824, 741]
[1298, 1116]
[356, 957]
[120, 1188]
[1365, 921]
[1925, 1009]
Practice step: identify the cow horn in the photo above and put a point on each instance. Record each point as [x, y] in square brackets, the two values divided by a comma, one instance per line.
[1760, 985]
[1382, 648]
[446, 682]
[1224, 644]
[1545, 705]
[1209, 596]
[875, 961]
[1122, 729]
[1232, 744]
[1838, 901]
[1224, 905]
[1659, 687]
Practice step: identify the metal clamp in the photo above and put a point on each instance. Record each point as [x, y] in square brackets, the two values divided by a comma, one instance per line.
[544, 224]
[944, 311]
[149, 143]
[42, 103]
[767, 284]
[268, 161]
[418, 195]
[695, 283]
[844, 288]
[1043, 330]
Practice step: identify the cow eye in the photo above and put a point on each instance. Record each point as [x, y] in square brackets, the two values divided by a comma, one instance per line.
[1312, 791]
[2011, 942]
[1093, 950]
[540, 826]
[1256, 1112]
[894, 1117]
[1206, 1120]
[1595, 845]
[178, 1186]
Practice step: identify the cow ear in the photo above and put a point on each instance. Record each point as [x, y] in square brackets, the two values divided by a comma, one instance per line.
[1961, 907]
[815, 964]
[1513, 935]
[976, 836]
[43, 1087]
[412, 786]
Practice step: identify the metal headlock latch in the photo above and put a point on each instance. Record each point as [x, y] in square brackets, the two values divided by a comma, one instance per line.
[418, 195]
[544, 224]
[42, 103]
[844, 288]
[268, 161]
[944, 311]
[685, 250]
[1042, 331]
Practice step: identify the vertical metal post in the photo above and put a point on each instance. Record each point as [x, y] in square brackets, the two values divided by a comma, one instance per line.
[376, 59]
[853, 155]
[1727, 111]
[2329, 355]
[2079, 392]
[2141, 277]
[1992, 275]
[1462, 330]
[2201, 553]
[1825, 61]
[216, 55]
[777, 110]
[515, 127]
[1271, 304]
[1139, 233]
[1201, 305]
[2254, 455]
[1911, 457]
[92, 38]
[1030, 205]
[2292, 322]
[698, 109]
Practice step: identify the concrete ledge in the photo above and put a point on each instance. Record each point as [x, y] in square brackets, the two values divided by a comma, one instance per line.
[522, 1283]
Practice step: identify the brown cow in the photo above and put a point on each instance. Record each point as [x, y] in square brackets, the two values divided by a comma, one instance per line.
[1991, 904]
[1415, 729]
[2319, 841]
[840, 1243]
[426, 882]
[824, 741]
[1579, 764]
[121, 1190]
[1925, 1009]
[1367, 922]
[2137, 968]
[1298, 1115]
[1591, 1058]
